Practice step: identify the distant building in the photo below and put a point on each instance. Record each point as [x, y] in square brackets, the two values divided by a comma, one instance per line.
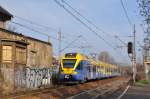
[18, 51]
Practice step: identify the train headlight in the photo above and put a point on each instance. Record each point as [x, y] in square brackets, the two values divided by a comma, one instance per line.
[67, 76]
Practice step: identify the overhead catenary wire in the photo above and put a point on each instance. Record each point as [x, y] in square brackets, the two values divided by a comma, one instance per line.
[24, 26]
[70, 43]
[84, 24]
[87, 26]
[121, 40]
[50, 28]
[126, 14]
[36, 31]
[90, 22]
[39, 25]
[34, 23]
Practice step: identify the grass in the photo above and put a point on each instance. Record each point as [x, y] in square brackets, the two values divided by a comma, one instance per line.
[142, 82]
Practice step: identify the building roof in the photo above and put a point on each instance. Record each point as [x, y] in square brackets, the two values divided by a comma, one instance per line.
[5, 15]
[21, 35]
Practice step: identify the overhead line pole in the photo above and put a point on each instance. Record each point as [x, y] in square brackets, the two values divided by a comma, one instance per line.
[133, 58]
[59, 44]
[134, 55]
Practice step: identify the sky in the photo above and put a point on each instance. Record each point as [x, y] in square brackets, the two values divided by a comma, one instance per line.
[108, 15]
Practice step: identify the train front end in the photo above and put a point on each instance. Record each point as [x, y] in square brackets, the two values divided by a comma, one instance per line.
[68, 73]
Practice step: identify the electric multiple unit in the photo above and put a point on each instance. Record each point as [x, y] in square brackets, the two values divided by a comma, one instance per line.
[76, 67]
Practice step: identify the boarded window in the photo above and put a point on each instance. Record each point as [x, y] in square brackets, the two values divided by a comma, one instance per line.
[6, 54]
[20, 55]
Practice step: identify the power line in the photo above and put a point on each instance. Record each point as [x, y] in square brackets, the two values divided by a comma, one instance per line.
[36, 31]
[34, 23]
[121, 40]
[90, 22]
[87, 26]
[126, 14]
[78, 19]
[29, 28]
[70, 43]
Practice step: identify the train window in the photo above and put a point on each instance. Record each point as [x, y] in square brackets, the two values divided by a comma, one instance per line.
[69, 63]
[71, 55]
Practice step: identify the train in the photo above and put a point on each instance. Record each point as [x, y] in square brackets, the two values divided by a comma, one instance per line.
[78, 68]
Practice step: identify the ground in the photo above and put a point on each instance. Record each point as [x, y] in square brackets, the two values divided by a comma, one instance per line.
[134, 92]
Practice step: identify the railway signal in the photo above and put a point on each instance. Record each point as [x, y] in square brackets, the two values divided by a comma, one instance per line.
[132, 54]
[130, 47]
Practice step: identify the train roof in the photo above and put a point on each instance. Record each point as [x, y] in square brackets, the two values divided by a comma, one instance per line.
[75, 56]
[84, 57]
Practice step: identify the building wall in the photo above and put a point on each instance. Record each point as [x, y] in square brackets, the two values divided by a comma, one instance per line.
[38, 53]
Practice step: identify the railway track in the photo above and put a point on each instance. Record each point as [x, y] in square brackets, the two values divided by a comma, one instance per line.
[28, 93]
[90, 90]
[99, 91]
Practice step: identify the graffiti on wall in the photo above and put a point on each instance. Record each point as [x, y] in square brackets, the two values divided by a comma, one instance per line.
[34, 77]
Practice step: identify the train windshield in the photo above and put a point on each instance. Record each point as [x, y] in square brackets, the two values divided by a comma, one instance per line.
[69, 63]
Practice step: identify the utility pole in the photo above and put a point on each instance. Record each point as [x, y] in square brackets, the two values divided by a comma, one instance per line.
[134, 55]
[59, 44]
[59, 55]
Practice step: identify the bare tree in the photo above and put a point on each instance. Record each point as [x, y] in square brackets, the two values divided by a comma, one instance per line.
[106, 57]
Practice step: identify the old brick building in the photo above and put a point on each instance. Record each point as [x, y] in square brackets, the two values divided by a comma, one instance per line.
[18, 51]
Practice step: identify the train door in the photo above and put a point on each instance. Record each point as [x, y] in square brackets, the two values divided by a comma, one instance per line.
[94, 71]
[88, 73]
[91, 71]
[84, 69]
[80, 69]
